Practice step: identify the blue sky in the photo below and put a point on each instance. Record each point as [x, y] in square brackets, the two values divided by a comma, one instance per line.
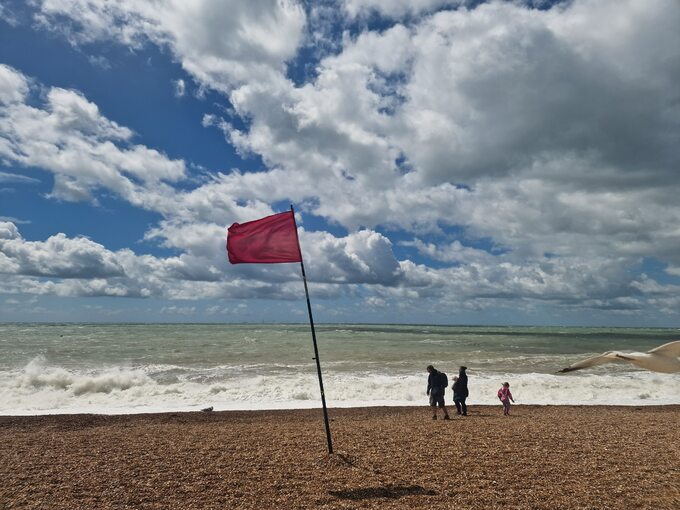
[449, 161]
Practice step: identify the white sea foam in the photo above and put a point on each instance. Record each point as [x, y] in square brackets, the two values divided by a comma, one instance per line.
[144, 368]
[37, 375]
[40, 388]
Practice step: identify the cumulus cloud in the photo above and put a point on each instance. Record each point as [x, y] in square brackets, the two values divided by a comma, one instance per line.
[350, 266]
[454, 252]
[69, 136]
[528, 127]
[13, 85]
[496, 98]
[57, 256]
[503, 89]
[560, 283]
[81, 267]
[360, 257]
[552, 134]
[220, 43]
[396, 8]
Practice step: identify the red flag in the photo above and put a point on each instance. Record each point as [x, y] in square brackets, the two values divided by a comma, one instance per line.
[269, 240]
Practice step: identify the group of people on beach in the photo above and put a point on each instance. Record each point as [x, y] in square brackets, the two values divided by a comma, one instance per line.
[437, 382]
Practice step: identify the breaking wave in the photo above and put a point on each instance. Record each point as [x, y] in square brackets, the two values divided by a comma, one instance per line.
[40, 387]
[38, 375]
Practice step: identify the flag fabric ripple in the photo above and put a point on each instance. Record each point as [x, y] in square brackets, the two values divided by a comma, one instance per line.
[270, 240]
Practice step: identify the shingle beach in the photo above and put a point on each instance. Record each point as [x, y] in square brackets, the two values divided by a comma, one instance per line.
[387, 457]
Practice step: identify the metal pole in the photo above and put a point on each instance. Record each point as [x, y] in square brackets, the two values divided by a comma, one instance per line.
[316, 349]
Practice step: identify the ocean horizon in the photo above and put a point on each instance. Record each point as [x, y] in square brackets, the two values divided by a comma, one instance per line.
[121, 368]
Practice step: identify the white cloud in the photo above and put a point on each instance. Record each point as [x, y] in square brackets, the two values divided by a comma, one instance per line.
[226, 310]
[360, 257]
[99, 61]
[12, 177]
[180, 88]
[7, 16]
[552, 134]
[501, 92]
[361, 263]
[58, 256]
[9, 231]
[562, 282]
[13, 85]
[396, 8]
[559, 150]
[178, 310]
[14, 220]
[502, 88]
[376, 302]
[453, 252]
[219, 43]
[86, 151]
[81, 267]
[673, 270]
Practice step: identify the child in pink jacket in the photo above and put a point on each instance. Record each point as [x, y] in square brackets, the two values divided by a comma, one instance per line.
[505, 397]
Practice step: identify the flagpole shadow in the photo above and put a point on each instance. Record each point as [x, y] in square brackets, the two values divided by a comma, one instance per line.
[389, 492]
[393, 489]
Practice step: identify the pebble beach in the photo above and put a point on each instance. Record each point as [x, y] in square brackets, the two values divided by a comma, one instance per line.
[567, 457]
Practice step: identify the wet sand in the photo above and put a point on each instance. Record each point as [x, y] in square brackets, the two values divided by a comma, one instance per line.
[540, 457]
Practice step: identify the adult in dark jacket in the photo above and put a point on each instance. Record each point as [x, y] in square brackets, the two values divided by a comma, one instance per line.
[436, 385]
[460, 391]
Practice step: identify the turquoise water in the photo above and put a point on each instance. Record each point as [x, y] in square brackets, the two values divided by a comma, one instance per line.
[149, 367]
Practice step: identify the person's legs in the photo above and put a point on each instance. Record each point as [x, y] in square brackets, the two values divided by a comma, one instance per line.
[433, 405]
[506, 407]
[458, 408]
[463, 405]
[442, 405]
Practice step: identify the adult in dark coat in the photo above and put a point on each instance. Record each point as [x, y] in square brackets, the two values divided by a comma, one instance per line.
[460, 391]
[436, 385]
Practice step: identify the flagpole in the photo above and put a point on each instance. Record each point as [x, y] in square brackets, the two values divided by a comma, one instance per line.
[316, 349]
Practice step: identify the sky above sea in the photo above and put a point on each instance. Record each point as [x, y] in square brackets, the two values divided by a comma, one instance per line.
[449, 161]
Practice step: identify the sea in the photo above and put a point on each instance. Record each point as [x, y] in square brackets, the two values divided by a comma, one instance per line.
[140, 368]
